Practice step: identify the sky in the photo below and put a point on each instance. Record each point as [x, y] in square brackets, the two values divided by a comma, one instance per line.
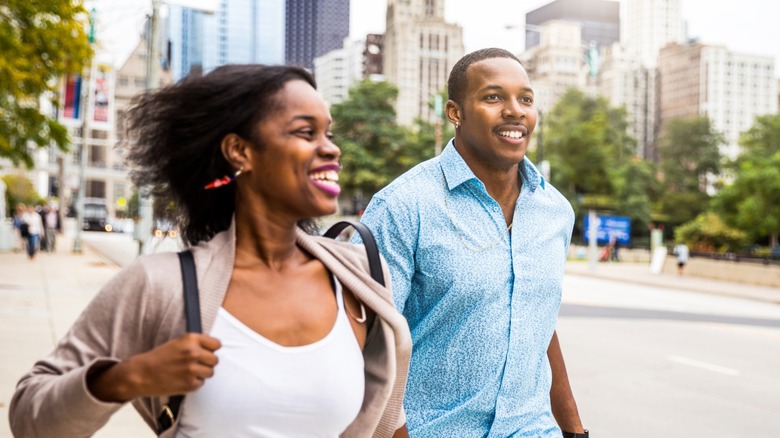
[745, 26]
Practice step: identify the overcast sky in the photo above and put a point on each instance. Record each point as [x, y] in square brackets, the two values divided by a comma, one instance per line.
[749, 26]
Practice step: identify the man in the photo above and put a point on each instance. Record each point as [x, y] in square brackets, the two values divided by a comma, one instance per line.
[682, 253]
[476, 241]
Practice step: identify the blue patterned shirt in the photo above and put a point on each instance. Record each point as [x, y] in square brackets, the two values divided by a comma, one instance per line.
[481, 302]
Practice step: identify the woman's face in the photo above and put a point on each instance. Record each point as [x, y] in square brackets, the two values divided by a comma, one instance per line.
[294, 169]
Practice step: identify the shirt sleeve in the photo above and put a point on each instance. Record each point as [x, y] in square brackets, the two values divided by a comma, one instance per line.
[395, 232]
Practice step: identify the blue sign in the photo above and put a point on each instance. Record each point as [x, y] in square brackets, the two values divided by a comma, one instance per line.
[607, 227]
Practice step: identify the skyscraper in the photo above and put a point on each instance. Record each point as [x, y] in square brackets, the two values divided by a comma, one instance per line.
[314, 28]
[648, 25]
[599, 20]
[420, 50]
[728, 87]
[239, 32]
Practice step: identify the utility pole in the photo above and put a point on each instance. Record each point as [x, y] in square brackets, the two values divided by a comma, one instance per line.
[86, 90]
[143, 230]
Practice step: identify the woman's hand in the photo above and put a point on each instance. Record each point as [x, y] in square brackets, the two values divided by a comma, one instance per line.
[178, 366]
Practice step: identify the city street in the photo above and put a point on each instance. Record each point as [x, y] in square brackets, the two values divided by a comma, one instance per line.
[644, 360]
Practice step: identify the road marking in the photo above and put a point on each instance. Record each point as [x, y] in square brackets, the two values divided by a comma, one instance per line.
[704, 365]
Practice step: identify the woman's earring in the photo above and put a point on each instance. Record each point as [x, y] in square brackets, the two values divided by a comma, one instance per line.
[457, 125]
[225, 180]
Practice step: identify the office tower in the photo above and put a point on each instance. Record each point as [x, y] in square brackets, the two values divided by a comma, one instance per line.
[314, 28]
[420, 50]
[338, 70]
[728, 87]
[556, 63]
[238, 32]
[599, 20]
[648, 25]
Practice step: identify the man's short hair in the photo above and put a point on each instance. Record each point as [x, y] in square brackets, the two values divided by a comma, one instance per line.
[458, 81]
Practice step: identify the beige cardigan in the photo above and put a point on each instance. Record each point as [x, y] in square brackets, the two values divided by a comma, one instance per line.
[142, 307]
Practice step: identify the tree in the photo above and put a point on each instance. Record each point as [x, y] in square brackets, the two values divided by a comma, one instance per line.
[752, 201]
[371, 142]
[19, 190]
[708, 232]
[40, 41]
[592, 158]
[762, 140]
[689, 153]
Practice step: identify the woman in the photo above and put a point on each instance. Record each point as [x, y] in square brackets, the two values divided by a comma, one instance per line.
[299, 341]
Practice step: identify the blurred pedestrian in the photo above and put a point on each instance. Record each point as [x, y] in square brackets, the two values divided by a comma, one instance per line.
[615, 245]
[20, 227]
[52, 222]
[34, 230]
[298, 339]
[682, 253]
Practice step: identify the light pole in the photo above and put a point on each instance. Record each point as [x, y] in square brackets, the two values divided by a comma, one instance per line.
[84, 147]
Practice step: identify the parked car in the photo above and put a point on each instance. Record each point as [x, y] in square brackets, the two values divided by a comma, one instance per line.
[164, 228]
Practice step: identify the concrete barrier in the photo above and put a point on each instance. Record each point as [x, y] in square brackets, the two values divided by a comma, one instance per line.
[740, 272]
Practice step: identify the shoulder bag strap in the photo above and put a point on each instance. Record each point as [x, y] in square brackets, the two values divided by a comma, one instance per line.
[374, 263]
[192, 312]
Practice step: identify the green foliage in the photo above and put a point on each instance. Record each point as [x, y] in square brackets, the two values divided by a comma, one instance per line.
[708, 232]
[40, 41]
[19, 189]
[592, 158]
[374, 149]
[752, 202]
[689, 153]
[762, 140]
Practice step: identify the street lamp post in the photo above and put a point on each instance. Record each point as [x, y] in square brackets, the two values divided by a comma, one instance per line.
[84, 147]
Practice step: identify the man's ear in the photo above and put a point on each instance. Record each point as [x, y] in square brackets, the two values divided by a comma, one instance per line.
[236, 151]
[453, 112]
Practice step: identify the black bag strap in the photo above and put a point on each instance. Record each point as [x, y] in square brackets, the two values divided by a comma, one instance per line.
[374, 263]
[189, 278]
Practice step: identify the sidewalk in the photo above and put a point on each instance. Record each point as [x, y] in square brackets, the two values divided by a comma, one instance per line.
[639, 273]
[40, 299]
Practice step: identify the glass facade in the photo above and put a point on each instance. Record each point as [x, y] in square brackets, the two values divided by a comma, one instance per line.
[239, 32]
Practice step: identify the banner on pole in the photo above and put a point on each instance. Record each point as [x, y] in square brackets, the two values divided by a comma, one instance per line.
[71, 100]
[102, 97]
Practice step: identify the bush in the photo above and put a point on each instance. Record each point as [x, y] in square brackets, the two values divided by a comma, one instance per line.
[707, 232]
[19, 189]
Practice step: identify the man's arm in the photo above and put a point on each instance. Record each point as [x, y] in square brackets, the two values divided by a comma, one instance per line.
[564, 407]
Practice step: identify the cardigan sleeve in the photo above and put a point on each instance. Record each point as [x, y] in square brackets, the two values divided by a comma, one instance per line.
[53, 399]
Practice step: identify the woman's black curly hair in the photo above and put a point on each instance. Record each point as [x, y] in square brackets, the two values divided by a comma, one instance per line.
[175, 134]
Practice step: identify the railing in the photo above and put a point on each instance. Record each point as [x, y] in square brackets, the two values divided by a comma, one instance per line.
[742, 257]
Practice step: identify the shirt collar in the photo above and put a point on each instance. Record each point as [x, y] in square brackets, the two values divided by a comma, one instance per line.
[456, 171]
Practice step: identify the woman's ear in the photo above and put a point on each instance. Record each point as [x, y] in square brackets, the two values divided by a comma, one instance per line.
[236, 151]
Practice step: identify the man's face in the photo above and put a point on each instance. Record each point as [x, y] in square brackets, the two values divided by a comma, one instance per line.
[497, 116]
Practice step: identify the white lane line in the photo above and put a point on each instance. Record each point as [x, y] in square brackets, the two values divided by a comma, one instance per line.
[704, 365]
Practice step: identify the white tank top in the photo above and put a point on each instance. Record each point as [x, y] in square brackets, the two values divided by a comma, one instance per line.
[263, 389]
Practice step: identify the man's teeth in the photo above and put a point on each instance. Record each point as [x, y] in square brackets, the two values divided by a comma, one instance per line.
[511, 134]
[328, 176]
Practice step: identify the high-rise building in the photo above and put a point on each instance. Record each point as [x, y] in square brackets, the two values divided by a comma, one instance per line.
[556, 63]
[420, 50]
[625, 82]
[238, 32]
[599, 20]
[728, 87]
[338, 70]
[314, 28]
[648, 25]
